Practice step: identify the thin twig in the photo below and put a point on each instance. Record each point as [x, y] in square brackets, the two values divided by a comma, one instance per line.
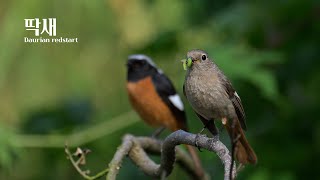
[233, 146]
[80, 171]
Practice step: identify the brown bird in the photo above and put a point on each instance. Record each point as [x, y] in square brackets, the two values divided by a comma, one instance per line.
[212, 97]
[155, 99]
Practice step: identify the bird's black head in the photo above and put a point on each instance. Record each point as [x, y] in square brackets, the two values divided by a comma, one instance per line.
[140, 66]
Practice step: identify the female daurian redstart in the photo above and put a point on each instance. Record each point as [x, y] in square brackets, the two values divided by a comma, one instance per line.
[212, 97]
[155, 99]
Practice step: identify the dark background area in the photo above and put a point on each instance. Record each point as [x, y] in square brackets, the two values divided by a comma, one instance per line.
[269, 49]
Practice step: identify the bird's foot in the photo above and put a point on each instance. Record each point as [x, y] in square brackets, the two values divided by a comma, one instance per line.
[157, 132]
[196, 142]
[197, 137]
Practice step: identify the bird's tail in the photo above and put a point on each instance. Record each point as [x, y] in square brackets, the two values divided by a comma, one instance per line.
[243, 152]
[196, 159]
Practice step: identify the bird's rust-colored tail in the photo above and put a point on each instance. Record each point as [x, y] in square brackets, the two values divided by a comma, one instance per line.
[243, 152]
[196, 159]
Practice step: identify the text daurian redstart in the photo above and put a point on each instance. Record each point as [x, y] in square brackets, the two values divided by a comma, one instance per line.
[212, 97]
[154, 98]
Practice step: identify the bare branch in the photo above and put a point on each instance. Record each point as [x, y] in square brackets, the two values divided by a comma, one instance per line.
[153, 146]
[138, 147]
[137, 153]
[122, 152]
[211, 144]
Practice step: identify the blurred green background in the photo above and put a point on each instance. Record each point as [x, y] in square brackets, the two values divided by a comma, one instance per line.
[269, 49]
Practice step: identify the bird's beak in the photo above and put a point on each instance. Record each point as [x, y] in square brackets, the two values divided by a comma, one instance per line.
[186, 63]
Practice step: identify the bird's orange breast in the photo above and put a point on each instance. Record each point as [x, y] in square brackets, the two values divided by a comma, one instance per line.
[149, 105]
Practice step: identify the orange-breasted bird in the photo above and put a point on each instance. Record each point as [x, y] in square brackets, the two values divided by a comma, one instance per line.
[154, 98]
[213, 97]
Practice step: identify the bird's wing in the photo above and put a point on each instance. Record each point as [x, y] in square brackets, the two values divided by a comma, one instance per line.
[236, 101]
[169, 96]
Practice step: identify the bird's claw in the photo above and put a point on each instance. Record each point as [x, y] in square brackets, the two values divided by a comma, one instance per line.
[196, 142]
[197, 137]
[157, 132]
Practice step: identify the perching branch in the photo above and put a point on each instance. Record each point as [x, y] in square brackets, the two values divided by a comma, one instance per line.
[211, 144]
[138, 147]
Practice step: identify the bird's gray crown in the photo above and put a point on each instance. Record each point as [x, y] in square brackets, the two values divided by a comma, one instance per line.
[196, 53]
[142, 57]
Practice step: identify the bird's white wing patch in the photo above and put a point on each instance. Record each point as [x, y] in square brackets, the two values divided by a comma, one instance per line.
[176, 101]
[236, 94]
[159, 71]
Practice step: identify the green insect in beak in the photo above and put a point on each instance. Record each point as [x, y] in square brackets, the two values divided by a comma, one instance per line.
[186, 63]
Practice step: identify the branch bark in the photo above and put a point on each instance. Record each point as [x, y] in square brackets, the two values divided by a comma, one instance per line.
[211, 144]
[138, 147]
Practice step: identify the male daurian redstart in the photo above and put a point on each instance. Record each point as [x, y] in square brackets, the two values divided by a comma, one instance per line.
[155, 99]
[212, 97]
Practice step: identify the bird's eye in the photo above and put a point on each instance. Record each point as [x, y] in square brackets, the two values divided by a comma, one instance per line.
[204, 57]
